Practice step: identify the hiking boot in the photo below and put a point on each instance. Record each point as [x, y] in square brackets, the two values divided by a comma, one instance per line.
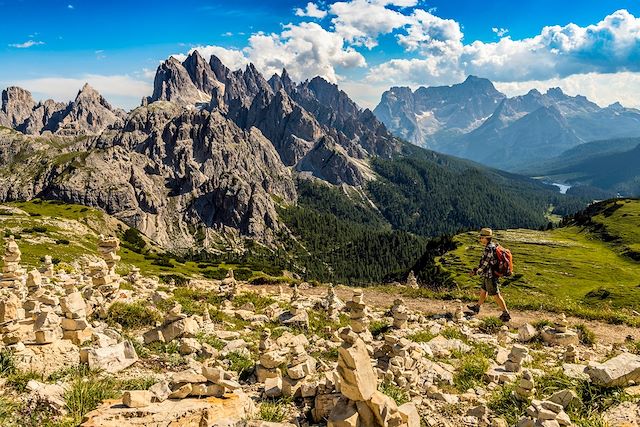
[474, 307]
[505, 316]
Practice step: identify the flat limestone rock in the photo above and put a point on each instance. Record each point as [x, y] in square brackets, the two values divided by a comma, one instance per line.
[554, 337]
[207, 412]
[618, 371]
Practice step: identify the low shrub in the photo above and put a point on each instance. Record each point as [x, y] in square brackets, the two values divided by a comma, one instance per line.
[378, 327]
[393, 391]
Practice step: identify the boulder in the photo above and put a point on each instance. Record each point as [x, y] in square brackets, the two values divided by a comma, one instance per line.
[526, 333]
[618, 371]
[137, 398]
[112, 359]
[409, 414]
[344, 414]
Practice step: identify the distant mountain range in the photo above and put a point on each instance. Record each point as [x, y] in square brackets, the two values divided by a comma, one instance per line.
[215, 157]
[475, 121]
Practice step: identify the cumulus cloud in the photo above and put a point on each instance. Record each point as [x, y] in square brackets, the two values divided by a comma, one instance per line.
[122, 90]
[360, 22]
[306, 50]
[609, 46]
[26, 44]
[312, 11]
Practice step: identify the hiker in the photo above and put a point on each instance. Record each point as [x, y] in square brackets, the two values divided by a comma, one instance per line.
[485, 269]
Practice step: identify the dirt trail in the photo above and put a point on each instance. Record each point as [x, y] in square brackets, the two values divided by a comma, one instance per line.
[605, 333]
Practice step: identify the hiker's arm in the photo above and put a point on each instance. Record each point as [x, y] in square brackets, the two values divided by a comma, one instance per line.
[485, 262]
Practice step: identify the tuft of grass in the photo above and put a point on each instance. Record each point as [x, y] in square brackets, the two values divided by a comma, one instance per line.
[470, 372]
[453, 333]
[132, 315]
[275, 411]
[586, 335]
[140, 383]
[541, 324]
[260, 302]
[393, 391]
[241, 364]
[379, 327]
[194, 301]
[85, 394]
[422, 336]
[491, 325]
[19, 379]
[7, 363]
[505, 404]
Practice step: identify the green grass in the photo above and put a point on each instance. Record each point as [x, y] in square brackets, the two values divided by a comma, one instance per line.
[587, 336]
[393, 391]
[85, 394]
[132, 315]
[572, 270]
[470, 372]
[379, 327]
[422, 336]
[239, 363]
[490, 325]
[275, 410]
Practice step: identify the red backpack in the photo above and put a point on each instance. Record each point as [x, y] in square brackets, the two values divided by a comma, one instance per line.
[504, 266]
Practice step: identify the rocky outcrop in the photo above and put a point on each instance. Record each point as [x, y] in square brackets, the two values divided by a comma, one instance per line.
[17, 105]
[89, 113]
[173, 83]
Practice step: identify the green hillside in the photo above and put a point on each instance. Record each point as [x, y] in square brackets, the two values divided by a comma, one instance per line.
[588, 267]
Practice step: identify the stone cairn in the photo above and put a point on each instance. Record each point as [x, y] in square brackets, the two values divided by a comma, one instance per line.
[571, 354]
[517, 355]
[75, 326]
[11, 271]
[560, 334]
[103, 274]
[270, 359]
[229, 285]
[358, 316]
[332, 305]
[402, 362]
[399, 313]
[361, 404]
[412, 282]
[526, 386]
[545, 413]
[300, 365]
[47, 269]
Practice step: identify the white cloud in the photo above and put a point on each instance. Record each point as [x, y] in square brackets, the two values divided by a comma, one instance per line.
[603, 89]
[306, 50]
[70, 6]
[612, 45]
[500, 32]
[26, 44]
[312, 11]
[360, 22]
[232, 58]
[122, 90]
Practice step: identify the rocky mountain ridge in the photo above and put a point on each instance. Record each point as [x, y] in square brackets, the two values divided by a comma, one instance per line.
[212, 154]
[475, 121]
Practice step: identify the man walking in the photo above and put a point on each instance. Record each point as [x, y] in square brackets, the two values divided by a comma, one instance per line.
[485, 269]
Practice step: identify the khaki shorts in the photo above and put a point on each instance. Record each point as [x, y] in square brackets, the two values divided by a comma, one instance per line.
[490, 285]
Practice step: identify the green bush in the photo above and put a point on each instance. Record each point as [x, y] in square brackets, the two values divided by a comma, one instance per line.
[132, 239]
[242, 274]
[132, 315]
[215, 273]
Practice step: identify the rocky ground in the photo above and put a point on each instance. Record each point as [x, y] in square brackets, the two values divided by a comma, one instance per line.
[87, 346]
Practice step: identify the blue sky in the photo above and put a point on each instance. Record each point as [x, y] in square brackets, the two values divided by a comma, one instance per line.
[52, 47]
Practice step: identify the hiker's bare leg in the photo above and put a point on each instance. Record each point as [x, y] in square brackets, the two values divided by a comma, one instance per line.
[483, 296]
[500, 302]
